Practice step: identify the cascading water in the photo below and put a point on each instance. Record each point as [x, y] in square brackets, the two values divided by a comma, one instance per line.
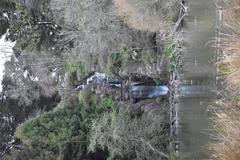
[5, 54]
[6, 120]
[137, 90]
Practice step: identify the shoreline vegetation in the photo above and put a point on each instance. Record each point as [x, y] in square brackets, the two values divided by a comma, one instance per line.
[227, 118]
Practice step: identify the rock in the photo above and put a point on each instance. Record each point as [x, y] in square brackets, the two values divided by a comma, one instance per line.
[147, 107]
[28, 85]
[4, 24]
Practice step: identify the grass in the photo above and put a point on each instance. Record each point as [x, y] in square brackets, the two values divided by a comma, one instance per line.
[227, 126]
[71, 68]
[231, 42]
[151, 15]
[224, 70]
[231, 48]
[227, 118]
[74, 67]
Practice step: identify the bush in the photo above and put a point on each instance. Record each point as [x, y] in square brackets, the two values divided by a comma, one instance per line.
[30, 28]
[118, 62]
[54, 130]
[63, 131]
[76, 67]
[129, 138]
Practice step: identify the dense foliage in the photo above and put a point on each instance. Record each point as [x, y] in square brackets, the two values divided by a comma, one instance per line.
[62, 132]
[126, 137]
[32, 28]
[80, 128]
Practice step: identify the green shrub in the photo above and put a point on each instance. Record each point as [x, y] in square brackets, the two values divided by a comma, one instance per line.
[161, 79]
[71, 68]
[74, 67]
[53, 129]
[30, 30]
[106, 102]
[170, 54]
[62, 131]
[89, 98]
[118, 61]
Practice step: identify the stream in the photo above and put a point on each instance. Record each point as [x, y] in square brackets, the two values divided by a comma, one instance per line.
[197, 81]
[5, 55]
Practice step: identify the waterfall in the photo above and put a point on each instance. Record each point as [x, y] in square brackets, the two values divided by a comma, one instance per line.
[6, 52]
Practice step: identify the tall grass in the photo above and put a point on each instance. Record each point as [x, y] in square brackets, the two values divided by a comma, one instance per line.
[148, 15]
[227, 124]
[231, 40]
[227, 119]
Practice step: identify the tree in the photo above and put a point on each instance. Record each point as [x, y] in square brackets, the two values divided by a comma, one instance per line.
[126, 137]
[63, 132]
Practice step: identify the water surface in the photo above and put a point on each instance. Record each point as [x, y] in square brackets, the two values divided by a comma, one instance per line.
[197, 81]
[5, 55]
